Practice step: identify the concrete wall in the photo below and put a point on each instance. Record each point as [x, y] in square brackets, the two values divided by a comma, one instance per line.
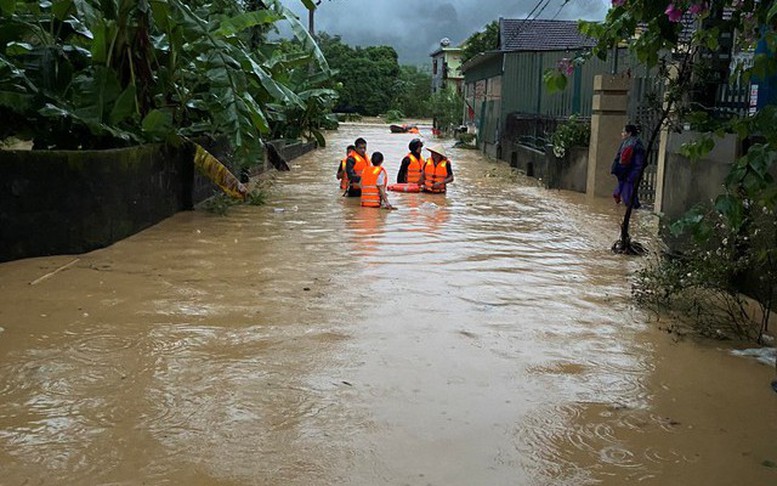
[74, 201]
[570, 172]
[688, 183]
[291, 149]
[532, 162]
[60, 202]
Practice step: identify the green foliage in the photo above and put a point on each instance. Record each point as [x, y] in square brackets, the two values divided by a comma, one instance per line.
[413, 89]
[698, 148]
[257, 197]
[734, 240]
[571, 132]
[368, 79]
[554, 80]
[349, 117]
[108, 73]
[446, 109]
[482, 41]
[219, 203]
[393, 116]
[734, 249]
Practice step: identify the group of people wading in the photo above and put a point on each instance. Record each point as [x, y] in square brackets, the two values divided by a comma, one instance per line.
[367, 179]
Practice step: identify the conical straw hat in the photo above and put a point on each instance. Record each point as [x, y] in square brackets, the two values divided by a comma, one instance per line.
[438, 149]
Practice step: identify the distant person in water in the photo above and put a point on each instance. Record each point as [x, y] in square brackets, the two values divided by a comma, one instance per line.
[438, 171]
[374, 181]
[342, 176]
[355, 164]
[413, 164]
[627, 165]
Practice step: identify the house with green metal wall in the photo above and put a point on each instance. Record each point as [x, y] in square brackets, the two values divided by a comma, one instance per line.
[506, 100]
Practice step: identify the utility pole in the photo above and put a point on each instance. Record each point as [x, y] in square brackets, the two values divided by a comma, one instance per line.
[311, 20]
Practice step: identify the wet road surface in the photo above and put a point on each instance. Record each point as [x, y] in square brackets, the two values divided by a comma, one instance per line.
[482, 337]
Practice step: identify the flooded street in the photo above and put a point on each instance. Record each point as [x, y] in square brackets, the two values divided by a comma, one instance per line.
[483, 337]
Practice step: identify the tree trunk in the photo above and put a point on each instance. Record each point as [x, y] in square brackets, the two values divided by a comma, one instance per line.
[624, 245]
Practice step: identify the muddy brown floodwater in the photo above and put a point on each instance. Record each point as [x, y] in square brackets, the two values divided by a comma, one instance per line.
[485, 337]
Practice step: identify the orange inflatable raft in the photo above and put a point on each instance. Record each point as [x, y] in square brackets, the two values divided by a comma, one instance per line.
[404, 187]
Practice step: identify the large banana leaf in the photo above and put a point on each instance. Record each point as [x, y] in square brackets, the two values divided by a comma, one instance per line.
[234, 25]
[77, 64]
[304, 37]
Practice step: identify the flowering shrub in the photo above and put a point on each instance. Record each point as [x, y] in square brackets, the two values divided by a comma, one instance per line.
[734, 250]
[571, 132]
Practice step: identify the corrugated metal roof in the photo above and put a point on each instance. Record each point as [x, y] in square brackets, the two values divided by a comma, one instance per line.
[541, 35]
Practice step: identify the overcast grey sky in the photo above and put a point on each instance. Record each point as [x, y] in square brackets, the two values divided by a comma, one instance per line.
[414, 27]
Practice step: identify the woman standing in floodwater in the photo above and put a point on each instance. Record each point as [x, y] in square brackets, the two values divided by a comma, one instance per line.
[627, 166]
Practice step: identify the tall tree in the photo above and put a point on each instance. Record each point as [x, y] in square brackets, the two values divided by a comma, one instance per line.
[367, 76]
[482, 41]
[413, 89]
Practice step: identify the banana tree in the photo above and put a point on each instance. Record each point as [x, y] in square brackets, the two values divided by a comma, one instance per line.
[98, 73]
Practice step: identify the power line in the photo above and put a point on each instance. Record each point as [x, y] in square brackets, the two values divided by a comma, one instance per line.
[560, 8]
[541, 6]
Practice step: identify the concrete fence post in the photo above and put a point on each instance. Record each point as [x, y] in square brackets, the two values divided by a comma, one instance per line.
[609, 116]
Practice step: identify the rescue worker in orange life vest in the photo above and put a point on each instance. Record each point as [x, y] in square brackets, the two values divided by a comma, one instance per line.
[355, 164]
[341, 175]
[374, 181]
[413, 163]
[438, 171]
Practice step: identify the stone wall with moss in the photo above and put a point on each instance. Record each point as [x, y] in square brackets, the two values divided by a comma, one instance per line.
[54, 202]
[63, 202]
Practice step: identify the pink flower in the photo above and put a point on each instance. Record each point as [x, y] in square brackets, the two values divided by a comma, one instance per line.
[674, 13]
[566, 66]
[698, 8]
[618, 3]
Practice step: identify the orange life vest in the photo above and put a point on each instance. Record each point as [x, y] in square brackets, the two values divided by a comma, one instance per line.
[370, 191]
[434, 174]
[344, 180]
[414, 169]
[361, 164]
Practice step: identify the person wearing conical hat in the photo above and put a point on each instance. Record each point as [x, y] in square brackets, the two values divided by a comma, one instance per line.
[438, 170]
